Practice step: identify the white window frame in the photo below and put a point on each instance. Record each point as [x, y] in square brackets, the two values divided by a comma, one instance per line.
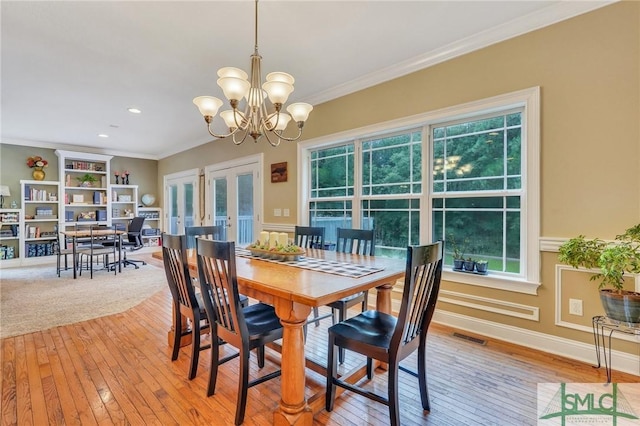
[529, 99]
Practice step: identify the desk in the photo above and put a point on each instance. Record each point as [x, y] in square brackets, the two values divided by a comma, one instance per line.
[293, 292]
[85, 233]
[603, 329]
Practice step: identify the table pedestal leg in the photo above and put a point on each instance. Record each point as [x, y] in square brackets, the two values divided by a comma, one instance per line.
[383, 304]
[293, 408]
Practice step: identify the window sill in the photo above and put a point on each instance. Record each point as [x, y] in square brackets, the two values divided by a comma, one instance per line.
[492, 280]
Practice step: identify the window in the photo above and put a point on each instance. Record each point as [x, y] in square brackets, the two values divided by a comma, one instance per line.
[477, 188]
[469, 172]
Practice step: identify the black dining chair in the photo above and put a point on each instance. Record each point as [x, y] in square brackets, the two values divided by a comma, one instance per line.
[213, 232]
[186, 303]
[356, 241]
[245, 328]
[311, 237]
[388, 339]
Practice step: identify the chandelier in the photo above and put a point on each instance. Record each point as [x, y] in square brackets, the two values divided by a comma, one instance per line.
[254, 119]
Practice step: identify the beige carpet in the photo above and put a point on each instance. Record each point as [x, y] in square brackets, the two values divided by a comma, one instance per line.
[34, 298]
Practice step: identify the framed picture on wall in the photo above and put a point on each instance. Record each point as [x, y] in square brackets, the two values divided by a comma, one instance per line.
[279, 172]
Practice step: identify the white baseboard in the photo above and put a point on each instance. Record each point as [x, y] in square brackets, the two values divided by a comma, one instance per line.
[622, 361]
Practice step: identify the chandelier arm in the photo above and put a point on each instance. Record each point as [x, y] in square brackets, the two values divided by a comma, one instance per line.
[238, 142]
[220, 136]
[274, 144]
[291, 139]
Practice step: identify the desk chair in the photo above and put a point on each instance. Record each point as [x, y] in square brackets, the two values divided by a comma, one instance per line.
[388, 339]
[245, 328]
[311, 237]
[133, 241]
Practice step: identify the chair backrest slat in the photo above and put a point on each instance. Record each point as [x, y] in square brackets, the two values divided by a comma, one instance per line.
[421, 288]
[309, 236]
[219, 287]
[174, 256]
[210, 231]
[356, 241]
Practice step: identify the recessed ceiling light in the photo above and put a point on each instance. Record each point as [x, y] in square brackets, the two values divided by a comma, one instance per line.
[134, 110]
[103, 135]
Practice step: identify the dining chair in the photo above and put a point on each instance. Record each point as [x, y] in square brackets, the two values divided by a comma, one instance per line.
[388, 339]
[62, 247]
[212, 232]
[311, 237]
[186, 303]
[245, 328]
[102, 243]
[355, 241]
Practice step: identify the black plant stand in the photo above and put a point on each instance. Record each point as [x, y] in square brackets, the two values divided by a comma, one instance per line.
[603, 329]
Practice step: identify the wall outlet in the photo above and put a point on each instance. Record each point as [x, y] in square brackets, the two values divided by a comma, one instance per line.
[277, 212]
[286, 212]
[575, 307]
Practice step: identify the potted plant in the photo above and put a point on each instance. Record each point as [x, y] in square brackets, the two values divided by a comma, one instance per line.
[87, 179]
[458, 254]
[469, 264]
[481, 266]
[613, 259]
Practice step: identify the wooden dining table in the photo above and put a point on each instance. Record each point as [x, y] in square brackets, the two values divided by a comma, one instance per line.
[294, 291]
[76, 234]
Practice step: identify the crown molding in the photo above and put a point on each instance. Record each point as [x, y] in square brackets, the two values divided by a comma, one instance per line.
[77, 148]
[553, 14]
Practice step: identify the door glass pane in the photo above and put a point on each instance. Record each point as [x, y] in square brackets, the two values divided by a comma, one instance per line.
[245, 209]
[219, 198]
[188, 205]
[173, 213]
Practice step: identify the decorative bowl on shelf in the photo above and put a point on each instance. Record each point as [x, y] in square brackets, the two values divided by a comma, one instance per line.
[148, 199]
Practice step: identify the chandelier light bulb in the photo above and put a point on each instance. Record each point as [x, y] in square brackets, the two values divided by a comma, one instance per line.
[208, 105]
[282, 119]
[299, 111]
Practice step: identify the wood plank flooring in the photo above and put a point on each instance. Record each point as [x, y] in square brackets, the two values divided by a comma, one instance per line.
[117, 370]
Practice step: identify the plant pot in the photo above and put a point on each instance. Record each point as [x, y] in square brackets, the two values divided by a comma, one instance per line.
[458, 263]
[481, 267]
[469, 265]
[624, 307]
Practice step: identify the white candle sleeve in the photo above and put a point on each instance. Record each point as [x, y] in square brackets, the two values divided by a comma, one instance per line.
[283, 239]
[273, 239]
[264, 238]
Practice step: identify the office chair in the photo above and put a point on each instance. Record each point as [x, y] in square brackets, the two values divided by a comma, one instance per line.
[133, 241]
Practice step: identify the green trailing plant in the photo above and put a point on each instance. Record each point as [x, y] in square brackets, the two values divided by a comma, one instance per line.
[458, 252]
[612, 258]
[87, 177]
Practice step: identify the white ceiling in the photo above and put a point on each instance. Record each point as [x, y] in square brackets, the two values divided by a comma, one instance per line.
[70, 69]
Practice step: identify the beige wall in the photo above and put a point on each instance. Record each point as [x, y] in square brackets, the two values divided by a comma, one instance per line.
[588, 71]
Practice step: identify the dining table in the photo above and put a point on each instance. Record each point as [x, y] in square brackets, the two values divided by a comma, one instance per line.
[77, 234]
[294, 287]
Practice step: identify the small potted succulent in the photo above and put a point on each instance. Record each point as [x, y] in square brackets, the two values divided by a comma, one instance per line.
[481, 266]
[469, 264]
[613, 259]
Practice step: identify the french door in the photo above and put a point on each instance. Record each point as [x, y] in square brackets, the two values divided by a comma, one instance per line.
[180, 201]
[233, 199]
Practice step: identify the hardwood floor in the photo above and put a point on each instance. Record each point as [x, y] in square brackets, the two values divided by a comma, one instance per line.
[117, 370]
